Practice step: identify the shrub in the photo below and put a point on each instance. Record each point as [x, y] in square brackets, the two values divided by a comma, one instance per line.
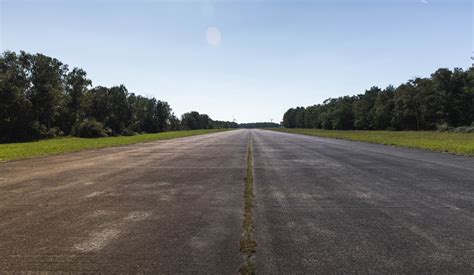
[463, 129]
[89, 129]
[442, 127]
[53, 132]
[128, 132]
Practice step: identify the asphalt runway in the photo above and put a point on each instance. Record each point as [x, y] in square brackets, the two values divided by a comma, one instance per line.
[333, 206]
[176, 206]
[169, 207]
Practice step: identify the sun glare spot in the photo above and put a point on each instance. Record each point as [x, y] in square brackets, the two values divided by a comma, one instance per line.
[213, 36]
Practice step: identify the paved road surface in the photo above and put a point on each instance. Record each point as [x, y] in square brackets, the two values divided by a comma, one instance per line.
[327, 205]
[169, 206]
[176, 206]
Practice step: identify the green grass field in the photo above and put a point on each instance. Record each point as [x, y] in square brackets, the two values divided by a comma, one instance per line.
[457, 143]
[14, 151]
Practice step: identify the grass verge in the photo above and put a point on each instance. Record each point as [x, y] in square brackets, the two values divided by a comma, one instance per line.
[456, 143]
[15, 151]
[248, 245]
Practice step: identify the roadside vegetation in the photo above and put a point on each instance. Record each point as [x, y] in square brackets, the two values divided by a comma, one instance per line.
[443, 101]
[451, 142]
[259, 125]
[15, 151]
[40, 97]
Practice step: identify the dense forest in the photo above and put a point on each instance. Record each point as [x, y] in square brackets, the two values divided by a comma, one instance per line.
[442, 101]
[40, 97]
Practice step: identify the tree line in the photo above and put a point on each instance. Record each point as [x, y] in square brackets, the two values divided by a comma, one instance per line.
[40, 97]
[253, 125]
[442, 101]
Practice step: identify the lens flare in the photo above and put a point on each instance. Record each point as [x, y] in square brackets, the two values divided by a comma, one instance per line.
[213, 36]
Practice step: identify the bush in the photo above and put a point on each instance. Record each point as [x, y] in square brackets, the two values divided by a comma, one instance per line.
[128, 132]
[89, 129]
[53, 132]
[443, 127]
[109, 132]
[462, 129]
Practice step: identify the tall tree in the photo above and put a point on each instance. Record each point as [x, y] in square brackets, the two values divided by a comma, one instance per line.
[163, 112]
[76, 87]
[204, 122]
[47, 90]
[289, 118]
[299, 117]
[341, 114]
[190, 120]
[174, 123]
[383, 108]
[16, 122]
[363, 109]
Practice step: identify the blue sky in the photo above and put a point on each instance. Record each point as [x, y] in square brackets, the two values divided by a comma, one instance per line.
[248, 59]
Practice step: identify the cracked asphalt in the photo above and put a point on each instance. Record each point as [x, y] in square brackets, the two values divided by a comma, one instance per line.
[175, 206]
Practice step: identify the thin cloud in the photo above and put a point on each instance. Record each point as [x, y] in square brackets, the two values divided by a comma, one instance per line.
[424, 2]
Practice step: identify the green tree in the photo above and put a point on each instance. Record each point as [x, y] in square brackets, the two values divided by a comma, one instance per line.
[299, 117]
[383, 108]
[363, 109]
[175, 123]
[190, 120]
[311, 116]
[341, 114]
[205, 122]
[289, 118]
[407, 108]
[47, 90]
[469, 91]
[77, 84]
[163, 112]
[16, 122]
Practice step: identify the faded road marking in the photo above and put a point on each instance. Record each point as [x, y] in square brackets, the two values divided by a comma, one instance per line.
[98, 240]
[137, 216]
[94, 194]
